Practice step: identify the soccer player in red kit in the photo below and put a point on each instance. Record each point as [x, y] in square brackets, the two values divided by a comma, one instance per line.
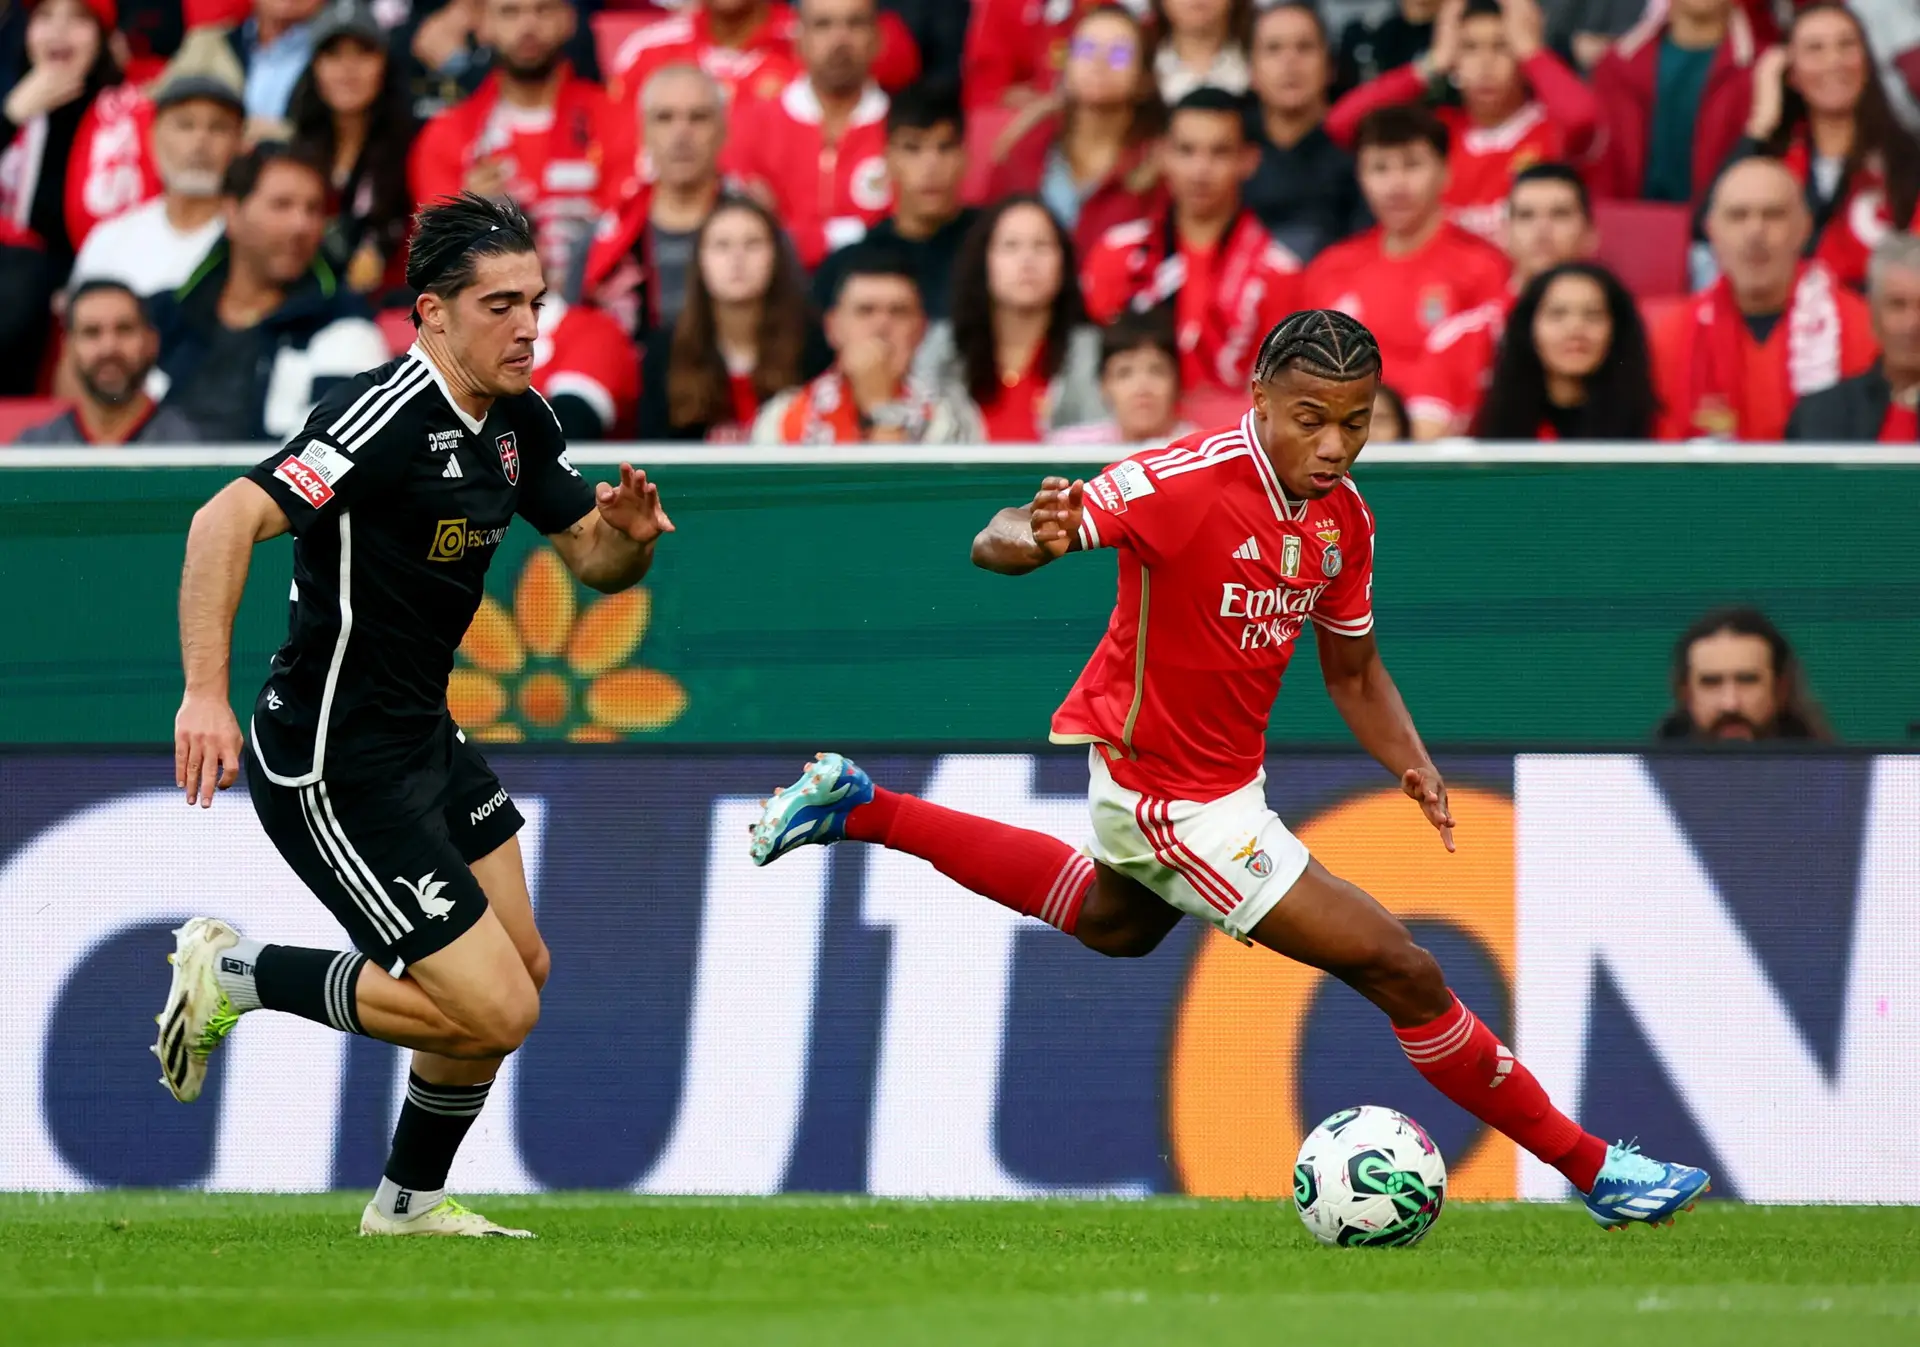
[1208, 258]
[1415, 268]
[1230, 542]
[1519, 103]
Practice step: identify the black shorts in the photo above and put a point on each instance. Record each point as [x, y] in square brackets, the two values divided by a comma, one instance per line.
[389, 857]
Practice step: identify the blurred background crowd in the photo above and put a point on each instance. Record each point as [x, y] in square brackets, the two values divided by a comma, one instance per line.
[1015, 220]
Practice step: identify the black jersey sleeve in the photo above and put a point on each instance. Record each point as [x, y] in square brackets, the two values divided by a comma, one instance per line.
[320, 472]
[553, 496]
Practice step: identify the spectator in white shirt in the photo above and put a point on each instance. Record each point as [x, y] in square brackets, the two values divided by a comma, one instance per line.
[156, 246]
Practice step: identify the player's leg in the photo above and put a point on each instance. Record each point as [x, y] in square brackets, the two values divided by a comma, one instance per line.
[1330, 924]
[1030, 872]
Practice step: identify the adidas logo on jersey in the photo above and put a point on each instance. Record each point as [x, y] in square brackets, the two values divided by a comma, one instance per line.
[1248, 550]
[453, 466]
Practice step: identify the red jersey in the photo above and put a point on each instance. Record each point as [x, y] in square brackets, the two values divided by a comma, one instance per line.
[566, 165]
[1018, 413]
[1219, 570]
[1225, 298]
[1557, 124]
[759, 66]
[1453, 374]
[1017, 42]
[1404, 298]
[584, 353]
[826, 195]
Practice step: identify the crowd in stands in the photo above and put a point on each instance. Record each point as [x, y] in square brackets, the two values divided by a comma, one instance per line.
[929, 221]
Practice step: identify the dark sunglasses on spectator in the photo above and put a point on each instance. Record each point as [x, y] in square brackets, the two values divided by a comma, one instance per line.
[1119, 55]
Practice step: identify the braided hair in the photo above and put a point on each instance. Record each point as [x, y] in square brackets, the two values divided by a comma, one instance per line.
[1321, 342]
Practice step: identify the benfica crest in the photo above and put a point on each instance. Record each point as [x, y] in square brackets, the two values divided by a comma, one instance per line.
[509, 446]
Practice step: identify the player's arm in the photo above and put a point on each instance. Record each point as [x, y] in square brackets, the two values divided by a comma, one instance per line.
[611, 546]
[206, 736]
[1368, 701]
[1023, 538]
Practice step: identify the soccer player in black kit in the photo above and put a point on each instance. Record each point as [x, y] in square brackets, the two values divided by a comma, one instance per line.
[397, 491]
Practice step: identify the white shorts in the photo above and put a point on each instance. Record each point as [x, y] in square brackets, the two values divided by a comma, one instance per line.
[1227, 861]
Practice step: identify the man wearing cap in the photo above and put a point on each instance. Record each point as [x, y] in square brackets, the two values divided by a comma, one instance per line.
[155, 246]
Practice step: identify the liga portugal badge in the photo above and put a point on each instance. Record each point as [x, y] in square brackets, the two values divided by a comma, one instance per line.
[510, 457]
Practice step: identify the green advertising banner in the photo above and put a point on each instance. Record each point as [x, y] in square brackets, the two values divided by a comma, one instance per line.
[821, 604]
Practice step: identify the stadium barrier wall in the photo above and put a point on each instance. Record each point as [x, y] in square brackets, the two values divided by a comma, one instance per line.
[1717, 954]
[1524, 596]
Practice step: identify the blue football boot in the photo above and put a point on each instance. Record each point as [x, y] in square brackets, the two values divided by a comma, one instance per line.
[812, 809]
[1633, 1189]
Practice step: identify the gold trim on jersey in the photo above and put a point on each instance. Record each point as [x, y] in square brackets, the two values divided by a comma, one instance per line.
[1139, 667]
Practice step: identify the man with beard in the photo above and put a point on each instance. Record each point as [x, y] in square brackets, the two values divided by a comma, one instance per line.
[534, 132]
[1736, 680]
[156, 246]
[112, 347]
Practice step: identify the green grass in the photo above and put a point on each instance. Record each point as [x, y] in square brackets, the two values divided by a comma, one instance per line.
[182, 1267]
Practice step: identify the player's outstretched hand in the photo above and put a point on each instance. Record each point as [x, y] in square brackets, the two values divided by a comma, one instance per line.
[206, 747]
[1055, 515]
[1424, 784]
[634, 506]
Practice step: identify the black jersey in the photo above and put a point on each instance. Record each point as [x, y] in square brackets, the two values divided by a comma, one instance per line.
[398, 500]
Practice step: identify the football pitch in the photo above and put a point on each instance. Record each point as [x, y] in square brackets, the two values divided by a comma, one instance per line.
[182, 1267]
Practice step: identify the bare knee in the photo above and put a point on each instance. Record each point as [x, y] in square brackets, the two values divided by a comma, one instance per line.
[501, 1025]
[1403, 979]
[1117, 935]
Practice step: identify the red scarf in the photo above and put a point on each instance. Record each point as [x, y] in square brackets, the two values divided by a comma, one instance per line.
[1812, 331]
[1860, 219]
[1223, 337]
[824, 412]
[109, 172]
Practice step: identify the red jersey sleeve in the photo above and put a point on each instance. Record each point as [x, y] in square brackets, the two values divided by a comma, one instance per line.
[1128, 506]
[898, 63]
[437, 166]
[996, 53]
[1396, 86]
[1567, 99]
[1107, 280]
[1346, 609]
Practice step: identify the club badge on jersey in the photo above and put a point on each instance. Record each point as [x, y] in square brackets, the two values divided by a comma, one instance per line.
[509, 447]
[1330, 561]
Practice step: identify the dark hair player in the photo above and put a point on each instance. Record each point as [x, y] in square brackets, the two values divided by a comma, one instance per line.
[398, 491]
[1230, 541]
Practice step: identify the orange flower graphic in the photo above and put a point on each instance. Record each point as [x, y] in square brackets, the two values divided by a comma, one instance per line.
[552, 669]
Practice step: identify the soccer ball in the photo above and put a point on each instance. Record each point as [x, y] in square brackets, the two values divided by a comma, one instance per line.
[1371, 1177]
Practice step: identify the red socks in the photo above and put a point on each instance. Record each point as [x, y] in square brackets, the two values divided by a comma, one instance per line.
[1030, 872]
[1462, 1059]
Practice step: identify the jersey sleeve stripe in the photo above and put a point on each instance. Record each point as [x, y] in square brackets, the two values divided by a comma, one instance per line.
[369, 403]
[1089, 532]
[363, 436]
[1358, 626]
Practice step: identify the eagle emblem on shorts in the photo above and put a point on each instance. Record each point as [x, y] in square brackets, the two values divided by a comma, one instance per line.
[509, 447]
[1259, 864]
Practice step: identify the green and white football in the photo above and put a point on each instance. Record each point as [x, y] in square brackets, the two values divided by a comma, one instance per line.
[1369, 1177]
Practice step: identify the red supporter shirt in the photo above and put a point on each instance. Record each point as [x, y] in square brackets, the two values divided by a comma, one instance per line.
[1404, 298]
[583, 352]
[826, 195]
[566, 165]
[1017, 42]
[1225, 298]
[1019, 414]
[1902, 425]
[1452, 377]
[759, 65]
[1219, 570]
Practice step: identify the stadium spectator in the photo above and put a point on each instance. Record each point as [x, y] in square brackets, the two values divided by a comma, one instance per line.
[26, 291]
[351, 112]
[111, 346]
[1414, 269]
[1549, 221]
[1370, 50]
[1304, 190]
[75, 135]
[1139, 383]
[440, 50]
[749, 47]
[1019, 341]
[1879, 404]
[1573, 365]
[1893, 31]
[1206, 256]
[534, 131]
[875, 328]
[1519, 104]
[1819, 110]
[1774, 327]
[1673, 95]
[817, 149]
[155, 246]
[741, 338]
[1389, 424]
[1200, 44]
[588, 369]
[1017, 49]
[1090, 151]
[638, 265]
[1735, 678]
[1585, 29]
[926, 160]
[261, 329]
[274, 46]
